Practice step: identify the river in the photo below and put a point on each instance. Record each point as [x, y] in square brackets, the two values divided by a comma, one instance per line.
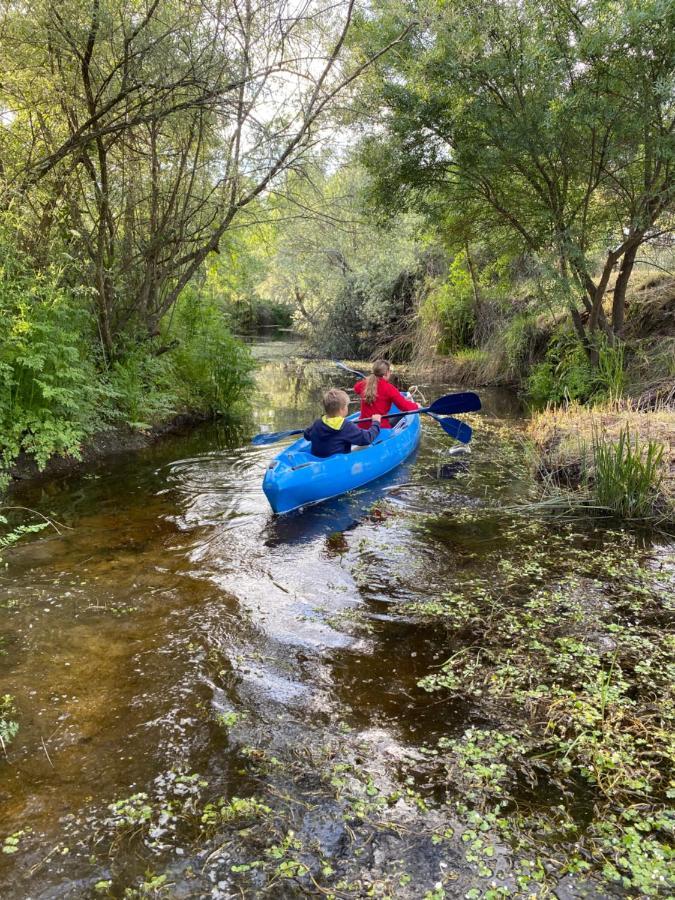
[215, 702]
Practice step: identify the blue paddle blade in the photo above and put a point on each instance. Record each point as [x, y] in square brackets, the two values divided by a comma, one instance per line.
[460, 431]
[456, 403]
[451, 403]
[271, 437]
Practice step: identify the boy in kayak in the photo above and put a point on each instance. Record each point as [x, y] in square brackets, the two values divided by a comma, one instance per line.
[334, 433]
[378, 395]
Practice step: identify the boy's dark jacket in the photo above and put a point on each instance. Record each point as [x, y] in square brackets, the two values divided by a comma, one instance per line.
[327, 440]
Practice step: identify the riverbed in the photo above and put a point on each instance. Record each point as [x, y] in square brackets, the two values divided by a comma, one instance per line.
[216, 702]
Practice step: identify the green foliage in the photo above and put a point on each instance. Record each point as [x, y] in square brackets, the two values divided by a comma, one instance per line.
[48, 384]
[368, 312]
[566, 374]
[352, 283]
[210, 369]
[55, 386]
[11, 843]
[139, 384]
[452, 304]
[520, 338]
[9, 727]
[238, 808]
[610, 377]
[626, 475]
[16, 532]
[482, 116]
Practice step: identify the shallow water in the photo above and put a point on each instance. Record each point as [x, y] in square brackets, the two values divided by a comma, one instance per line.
[171, 597]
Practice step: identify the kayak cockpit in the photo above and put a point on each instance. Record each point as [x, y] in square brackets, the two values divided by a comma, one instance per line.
[296, 478]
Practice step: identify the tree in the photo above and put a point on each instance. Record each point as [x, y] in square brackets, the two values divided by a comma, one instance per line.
[137, 131]
[353, 283]
[548, 121]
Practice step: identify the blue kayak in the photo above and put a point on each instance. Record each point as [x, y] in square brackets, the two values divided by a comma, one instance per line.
[295, 478]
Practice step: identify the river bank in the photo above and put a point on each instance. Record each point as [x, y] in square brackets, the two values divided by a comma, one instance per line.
[569, 442]
[103, 445]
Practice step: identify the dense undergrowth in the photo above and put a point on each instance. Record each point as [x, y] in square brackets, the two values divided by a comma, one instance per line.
[58, 387]
[520, 334]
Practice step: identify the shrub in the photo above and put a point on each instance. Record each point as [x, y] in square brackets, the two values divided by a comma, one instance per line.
[452, 303]
[48, 385]
[210, 370]
[140, 387]
[566, 374]
[56, 389]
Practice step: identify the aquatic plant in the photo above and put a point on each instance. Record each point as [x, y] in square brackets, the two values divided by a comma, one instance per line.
[9, 727]
[569, 681]
[627, 476]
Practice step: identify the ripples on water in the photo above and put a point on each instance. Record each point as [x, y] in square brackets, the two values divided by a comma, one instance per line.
[173, 592]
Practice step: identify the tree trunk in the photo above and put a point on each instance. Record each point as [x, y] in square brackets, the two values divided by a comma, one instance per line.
[619, 303]
[474, 281]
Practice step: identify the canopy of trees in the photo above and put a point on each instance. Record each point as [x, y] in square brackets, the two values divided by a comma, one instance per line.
[135, 132]
[550, 123]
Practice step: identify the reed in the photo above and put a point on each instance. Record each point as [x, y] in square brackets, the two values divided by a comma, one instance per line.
[626, 475]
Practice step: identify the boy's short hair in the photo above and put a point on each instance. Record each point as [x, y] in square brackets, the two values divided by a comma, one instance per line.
[334, 401]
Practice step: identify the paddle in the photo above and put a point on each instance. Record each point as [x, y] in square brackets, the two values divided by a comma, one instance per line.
[452, 427]
[450, 403]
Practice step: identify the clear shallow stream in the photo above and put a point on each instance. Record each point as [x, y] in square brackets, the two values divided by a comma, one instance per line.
[174, 628]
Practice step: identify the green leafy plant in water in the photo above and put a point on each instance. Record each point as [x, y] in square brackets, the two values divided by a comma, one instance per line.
[234, 809]
[11, 843]
[573, 678]
[9, 727]
[626, 475]
[151, 886]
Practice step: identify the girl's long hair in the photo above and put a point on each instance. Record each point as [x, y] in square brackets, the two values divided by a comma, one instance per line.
[380, 368]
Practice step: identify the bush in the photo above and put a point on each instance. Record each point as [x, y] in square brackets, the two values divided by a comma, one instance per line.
[210, 369]
[567, 375]
[55, 389]
[48, 386]
[370, 314]
[196, 365]
[452, 303]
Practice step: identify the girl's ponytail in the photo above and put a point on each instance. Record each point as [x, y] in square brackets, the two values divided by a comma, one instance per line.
[380, 368]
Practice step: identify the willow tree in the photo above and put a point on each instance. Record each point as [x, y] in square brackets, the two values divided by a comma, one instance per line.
[548, 121]
[137, 132]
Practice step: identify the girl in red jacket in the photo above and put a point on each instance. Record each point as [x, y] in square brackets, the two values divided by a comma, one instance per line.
[378, 394]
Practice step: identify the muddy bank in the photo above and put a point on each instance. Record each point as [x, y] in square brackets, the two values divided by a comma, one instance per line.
[105, 444]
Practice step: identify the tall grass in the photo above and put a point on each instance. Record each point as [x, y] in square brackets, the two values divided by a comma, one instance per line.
[627, 475]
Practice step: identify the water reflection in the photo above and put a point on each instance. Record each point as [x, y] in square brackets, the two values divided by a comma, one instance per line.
[174, 594]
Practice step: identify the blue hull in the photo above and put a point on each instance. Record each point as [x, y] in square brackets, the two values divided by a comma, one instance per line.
[295, 478]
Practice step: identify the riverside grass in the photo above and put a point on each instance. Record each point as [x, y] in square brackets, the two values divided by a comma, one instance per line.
[627, 477]
[609, 458]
